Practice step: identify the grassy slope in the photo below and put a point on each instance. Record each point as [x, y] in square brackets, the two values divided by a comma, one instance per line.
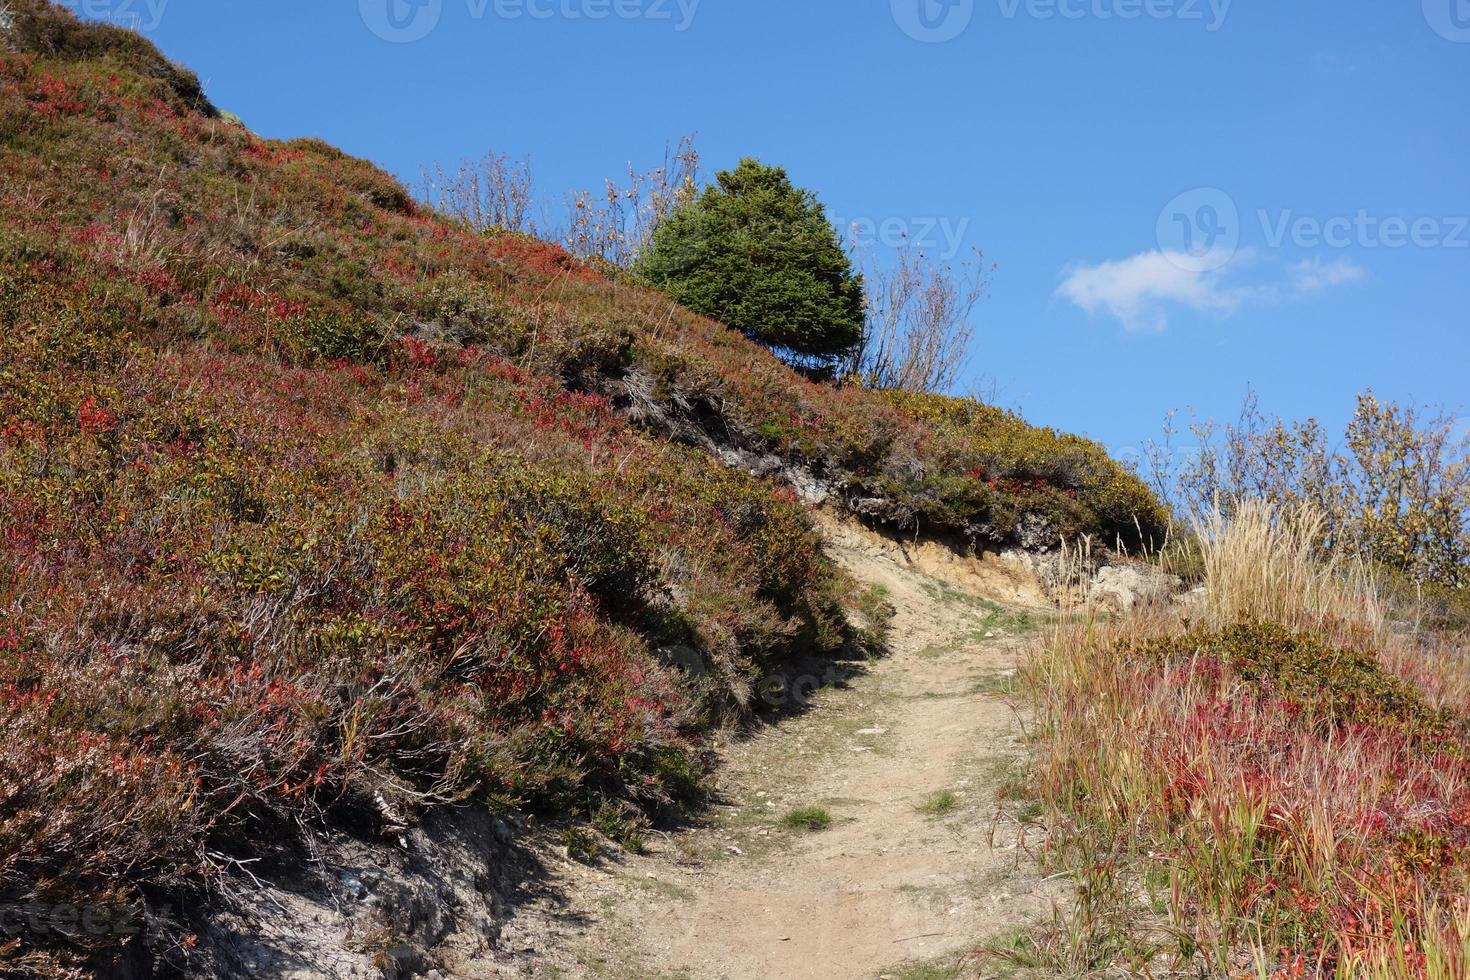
[308, 496]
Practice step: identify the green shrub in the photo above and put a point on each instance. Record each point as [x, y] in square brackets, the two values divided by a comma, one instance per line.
[758, 254]
[998, 463]
[1333, 686]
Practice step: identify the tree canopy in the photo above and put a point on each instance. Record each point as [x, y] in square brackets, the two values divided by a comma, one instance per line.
[758, 253]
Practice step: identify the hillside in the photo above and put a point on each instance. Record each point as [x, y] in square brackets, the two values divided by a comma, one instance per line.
[320, 508]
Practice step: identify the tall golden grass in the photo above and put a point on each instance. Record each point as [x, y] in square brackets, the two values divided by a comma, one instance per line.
[1269, 566]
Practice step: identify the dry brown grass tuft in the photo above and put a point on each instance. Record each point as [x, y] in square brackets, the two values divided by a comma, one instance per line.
[1270, 566]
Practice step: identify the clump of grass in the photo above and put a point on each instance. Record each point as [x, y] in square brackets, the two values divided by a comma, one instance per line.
[580, 845]
[1015, 950]
[807, 818]
[1269, 566]
[1031, 811]
[927, 971]
[622, 824]
[998, 682]
[939, 803]
[1015, 788]
[1016, 622]
[876, 605]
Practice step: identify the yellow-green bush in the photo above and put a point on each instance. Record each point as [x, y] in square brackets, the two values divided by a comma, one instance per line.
[993, 455]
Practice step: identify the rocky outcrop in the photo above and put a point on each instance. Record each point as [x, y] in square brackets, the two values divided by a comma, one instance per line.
[1129, 585]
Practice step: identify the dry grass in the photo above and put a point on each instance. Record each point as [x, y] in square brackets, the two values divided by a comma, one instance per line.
[1269, 567]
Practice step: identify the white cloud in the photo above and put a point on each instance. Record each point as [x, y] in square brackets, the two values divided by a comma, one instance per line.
[1314, 275]
[1139, 291]
[1142, 291]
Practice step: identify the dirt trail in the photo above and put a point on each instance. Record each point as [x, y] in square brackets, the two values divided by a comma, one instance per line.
[891, 882]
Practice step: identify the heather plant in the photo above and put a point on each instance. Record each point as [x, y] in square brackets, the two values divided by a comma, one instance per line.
[46, 29]
[273, 591]
[1061, 485]
[273, 554]
[356, 265]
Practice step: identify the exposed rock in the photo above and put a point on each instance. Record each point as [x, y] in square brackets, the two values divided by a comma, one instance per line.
[1036, 533]
[1045, 568]
[1128, 586]
[406, 959]
[1193, 602]
[756, 464]
[809, 488]
[698, 419]
[1012, 577]
[868, 506]
[371, 909]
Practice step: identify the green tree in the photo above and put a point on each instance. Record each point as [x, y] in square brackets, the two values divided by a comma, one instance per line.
[758, 253]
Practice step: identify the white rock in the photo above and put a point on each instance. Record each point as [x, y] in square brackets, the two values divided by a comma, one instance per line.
[1126, 587]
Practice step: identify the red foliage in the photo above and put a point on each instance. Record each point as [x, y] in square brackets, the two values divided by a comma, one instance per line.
[540, 259]
[95, 419]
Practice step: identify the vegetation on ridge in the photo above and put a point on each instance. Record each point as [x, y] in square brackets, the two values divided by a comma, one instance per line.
[1395, 491]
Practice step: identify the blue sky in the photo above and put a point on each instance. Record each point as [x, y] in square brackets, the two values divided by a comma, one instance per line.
[1184, 197]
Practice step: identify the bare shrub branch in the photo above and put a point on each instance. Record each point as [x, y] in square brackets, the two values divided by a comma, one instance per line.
[494, 192]
[1397, 491]
[617, 224]
[919, 326]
